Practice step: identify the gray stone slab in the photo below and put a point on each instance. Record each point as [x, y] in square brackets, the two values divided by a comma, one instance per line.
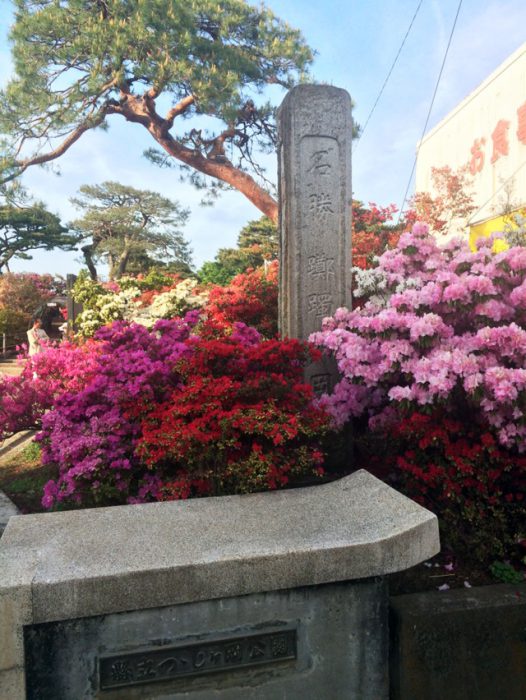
[323, 642]
[7, 510]
[467, 644]
[315, 195]
[106, 560]
[15, 443]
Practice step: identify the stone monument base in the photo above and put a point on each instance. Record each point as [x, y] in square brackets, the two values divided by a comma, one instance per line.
[271, 596]
[326, 641]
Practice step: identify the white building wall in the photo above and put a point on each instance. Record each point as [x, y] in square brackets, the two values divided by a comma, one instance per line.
[498, 104]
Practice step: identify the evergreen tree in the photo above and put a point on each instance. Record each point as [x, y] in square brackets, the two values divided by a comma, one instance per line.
[256, 242]
[122, 224]
[156, 64]
[26, 226]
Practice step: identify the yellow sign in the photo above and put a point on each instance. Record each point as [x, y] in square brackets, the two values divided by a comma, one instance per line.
[496, 225]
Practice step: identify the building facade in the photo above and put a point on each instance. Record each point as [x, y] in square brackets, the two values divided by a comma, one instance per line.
[486, 133]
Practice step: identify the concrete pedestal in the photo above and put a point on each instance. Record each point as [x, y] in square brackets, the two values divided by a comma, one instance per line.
[271, 595]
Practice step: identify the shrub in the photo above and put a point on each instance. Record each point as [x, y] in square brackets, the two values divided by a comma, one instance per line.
[461, 473]
[371, 232]
[242, 421]
[59, 368]
[454, 336]
[89, 434]
[251, 298]
[25, 292]
[184, 296]
[143, 300]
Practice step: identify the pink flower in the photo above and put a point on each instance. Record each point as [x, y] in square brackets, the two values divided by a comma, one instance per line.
[457, 332]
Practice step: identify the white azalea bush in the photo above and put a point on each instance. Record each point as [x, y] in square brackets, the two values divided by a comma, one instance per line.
[176, 302]
[126, 301]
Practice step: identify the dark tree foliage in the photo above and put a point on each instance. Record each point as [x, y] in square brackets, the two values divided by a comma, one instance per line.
[26, 226]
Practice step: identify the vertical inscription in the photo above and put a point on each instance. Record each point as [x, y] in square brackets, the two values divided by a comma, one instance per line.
[319, 215]
[315, 132]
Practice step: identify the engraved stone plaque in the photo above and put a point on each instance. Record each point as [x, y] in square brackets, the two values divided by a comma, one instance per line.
[171, 662]
[315, 137]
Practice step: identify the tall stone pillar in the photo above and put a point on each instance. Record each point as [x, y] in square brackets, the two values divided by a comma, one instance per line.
[315, 198]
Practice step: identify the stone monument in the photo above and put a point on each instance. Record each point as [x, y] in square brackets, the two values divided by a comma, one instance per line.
[315, 195]
[257, 597]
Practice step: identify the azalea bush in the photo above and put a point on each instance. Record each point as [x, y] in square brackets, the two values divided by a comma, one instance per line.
[169, 303]
[89, 434]
[460, 472]
[372, 232]
[251, 298]
[24, 399]
[243, 419]
[192, 407]
[144, 300]
[454, 336]
[433, 377]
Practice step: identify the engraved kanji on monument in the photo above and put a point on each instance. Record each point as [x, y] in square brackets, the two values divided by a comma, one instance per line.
[315, 196]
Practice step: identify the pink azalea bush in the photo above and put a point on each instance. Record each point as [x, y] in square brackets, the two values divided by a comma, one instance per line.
[449, 330]
[24, 399]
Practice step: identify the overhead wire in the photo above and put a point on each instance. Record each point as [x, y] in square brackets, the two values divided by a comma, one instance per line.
[357, 142]
[430, 108]
[501, 187]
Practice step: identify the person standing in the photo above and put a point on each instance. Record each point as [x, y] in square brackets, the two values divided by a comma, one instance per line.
[36, 335]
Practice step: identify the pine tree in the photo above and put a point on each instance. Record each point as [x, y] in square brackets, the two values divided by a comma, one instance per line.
[155, 63]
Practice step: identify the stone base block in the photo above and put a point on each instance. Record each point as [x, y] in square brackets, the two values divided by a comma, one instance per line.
[460, 645]
[322, 642]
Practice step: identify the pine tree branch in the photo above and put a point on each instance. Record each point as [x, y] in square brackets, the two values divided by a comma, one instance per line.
[178, 109]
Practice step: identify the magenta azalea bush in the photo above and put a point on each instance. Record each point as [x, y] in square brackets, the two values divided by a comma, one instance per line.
[90, 433]
[448, 329]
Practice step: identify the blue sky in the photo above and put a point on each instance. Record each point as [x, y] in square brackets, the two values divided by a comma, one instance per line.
[356, 42]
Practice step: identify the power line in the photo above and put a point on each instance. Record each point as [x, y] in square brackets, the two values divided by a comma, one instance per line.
[388, 75]
[430, 108]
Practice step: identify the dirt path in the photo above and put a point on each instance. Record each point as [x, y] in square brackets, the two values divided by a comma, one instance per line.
[10, 368]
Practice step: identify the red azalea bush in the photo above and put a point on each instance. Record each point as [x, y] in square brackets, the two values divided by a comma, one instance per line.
[460, 472]
[251, 298]
[371, 232]
[242, 421]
